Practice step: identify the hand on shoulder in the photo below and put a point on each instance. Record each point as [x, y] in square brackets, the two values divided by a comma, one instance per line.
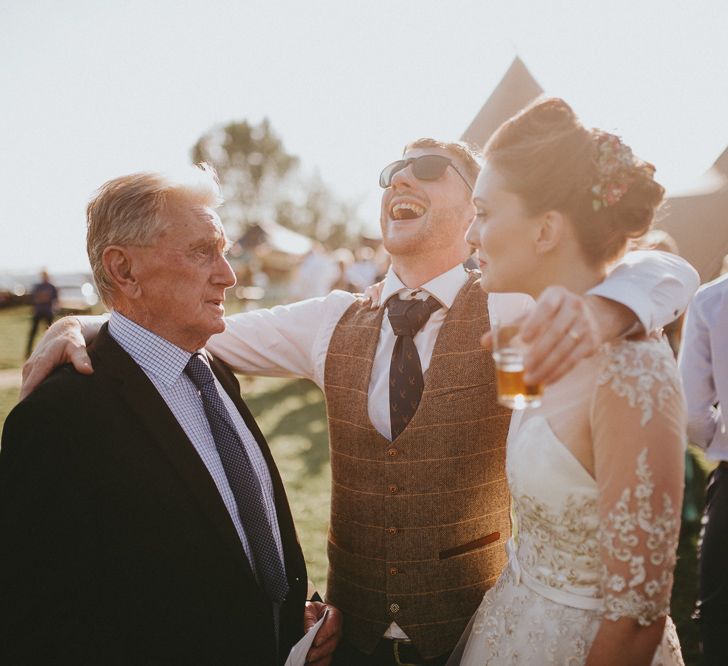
[63, 343]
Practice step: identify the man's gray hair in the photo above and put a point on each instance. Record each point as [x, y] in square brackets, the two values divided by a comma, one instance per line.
[129, 210]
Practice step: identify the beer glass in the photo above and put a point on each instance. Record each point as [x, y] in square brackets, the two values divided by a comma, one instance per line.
[508, 353]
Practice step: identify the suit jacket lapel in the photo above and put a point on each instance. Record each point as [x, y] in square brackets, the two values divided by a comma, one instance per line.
[136, 390]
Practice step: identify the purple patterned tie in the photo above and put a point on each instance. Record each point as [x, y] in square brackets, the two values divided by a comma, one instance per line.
[243, 482]
[405, 371]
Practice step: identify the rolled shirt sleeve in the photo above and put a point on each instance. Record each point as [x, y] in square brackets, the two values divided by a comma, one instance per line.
[656, 286]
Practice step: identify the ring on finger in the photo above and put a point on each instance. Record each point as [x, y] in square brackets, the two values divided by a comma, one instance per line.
[574, 335]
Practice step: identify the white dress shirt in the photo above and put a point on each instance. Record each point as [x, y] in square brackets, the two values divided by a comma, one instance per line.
[704, 368]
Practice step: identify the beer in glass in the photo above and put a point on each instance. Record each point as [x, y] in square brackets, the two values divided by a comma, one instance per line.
[508, 353]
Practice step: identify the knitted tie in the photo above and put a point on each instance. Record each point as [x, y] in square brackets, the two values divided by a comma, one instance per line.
[243, 482]
[405, 371]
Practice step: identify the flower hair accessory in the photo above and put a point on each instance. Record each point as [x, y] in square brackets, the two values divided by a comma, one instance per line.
[615, 171]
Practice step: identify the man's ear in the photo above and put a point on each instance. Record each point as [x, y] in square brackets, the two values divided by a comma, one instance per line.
[119, 264]
[550, 231]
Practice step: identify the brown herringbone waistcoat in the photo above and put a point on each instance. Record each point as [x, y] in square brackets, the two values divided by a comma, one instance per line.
[418, 524]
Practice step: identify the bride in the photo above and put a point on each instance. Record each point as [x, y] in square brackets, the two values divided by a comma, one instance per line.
[596, 472]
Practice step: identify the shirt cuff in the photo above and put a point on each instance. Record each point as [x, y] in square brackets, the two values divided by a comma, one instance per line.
[634, 299]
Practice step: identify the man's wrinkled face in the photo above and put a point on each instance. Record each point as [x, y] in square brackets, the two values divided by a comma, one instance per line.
[184, 275]
[425, 216]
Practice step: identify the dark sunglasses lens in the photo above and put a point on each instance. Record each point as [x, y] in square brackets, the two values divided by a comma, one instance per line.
[430, 167]
[426, 167]
[385, 178]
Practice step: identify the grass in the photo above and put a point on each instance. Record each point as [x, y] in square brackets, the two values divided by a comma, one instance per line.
[291, 413]
[14, 329]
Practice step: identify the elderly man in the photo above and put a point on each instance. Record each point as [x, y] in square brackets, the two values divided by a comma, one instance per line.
[420, 507]
[142, 518]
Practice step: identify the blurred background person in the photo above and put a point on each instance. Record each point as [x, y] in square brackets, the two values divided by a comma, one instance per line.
[364, 270]
[344, 259]
[43, 298]
[704, 368]
[314, 275]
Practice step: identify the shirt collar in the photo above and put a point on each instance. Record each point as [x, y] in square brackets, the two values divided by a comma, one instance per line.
[153, 354]
[444, 287]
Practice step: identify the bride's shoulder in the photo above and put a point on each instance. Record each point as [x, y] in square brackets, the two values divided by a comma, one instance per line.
[651, 353]
[643, 372]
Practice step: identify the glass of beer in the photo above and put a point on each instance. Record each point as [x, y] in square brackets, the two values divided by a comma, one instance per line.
[508, 353]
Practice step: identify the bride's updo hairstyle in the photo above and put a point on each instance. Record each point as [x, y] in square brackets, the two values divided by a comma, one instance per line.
[552, 162]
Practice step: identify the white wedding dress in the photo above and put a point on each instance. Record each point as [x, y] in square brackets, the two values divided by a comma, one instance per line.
[589, 546]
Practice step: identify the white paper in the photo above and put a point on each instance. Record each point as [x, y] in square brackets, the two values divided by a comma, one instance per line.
[297, 656]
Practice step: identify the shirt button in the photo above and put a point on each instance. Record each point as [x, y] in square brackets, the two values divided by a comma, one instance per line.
[393, 489]
[391, 452]
[393, 571]
[392, 530]
[394, 608]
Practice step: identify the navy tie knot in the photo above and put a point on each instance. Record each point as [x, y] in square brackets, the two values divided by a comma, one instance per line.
[199, 372]
[408, 317]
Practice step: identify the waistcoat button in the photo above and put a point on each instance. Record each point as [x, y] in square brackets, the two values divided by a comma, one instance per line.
[391, 452]
[394, 608]
[393, 489]
[393, 571]
[392, 530]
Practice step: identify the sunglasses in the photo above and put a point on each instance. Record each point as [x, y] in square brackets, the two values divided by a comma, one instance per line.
[425, 167]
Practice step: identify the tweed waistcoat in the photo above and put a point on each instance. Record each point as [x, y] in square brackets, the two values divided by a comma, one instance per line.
[418, 524]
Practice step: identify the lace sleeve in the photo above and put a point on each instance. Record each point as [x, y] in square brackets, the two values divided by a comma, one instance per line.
[638, 425]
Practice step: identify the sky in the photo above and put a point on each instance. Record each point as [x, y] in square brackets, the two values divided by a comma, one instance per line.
[90, 90]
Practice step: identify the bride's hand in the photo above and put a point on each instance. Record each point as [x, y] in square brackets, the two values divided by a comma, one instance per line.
[563, 328]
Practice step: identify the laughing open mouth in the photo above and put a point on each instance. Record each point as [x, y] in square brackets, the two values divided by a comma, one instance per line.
[406, 211]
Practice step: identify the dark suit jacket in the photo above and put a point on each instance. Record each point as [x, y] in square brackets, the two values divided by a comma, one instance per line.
[115, 546]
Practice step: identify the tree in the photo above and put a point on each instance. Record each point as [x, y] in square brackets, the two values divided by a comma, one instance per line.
[262, 182]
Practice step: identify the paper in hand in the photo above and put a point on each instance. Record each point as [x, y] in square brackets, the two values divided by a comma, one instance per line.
[297, 655]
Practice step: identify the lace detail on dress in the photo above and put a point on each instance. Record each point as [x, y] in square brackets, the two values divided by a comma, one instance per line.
[642, 372]
[632, 533]
[559, 548]
[514, 626]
